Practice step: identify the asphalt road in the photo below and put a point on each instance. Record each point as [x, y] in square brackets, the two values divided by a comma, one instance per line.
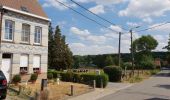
[154, 88]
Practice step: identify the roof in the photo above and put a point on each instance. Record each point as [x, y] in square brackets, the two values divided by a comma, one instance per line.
[32, 6]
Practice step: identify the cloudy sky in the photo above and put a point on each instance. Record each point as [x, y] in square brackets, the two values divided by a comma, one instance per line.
[86, 37]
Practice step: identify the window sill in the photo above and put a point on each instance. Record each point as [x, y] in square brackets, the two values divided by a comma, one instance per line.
[8, 41]
[25, 43]
[37, 44]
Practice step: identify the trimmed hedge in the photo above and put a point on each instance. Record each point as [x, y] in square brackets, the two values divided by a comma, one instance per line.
[114, 73]
[50, 75]
[82, 78]
[100, 79]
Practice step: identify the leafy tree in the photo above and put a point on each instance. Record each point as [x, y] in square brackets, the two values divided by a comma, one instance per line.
[109, 61]
[60, 54]
[142, 48]
[145, 44]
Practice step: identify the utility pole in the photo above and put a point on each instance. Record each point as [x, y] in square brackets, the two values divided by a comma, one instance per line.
[132, 52]
[119, 48]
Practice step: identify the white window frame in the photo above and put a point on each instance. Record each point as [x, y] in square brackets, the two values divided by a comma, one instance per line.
[38, 35]
[8, 28]
[25, 33]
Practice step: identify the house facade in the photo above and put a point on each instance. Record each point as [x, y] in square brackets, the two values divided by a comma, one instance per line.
[24, 39]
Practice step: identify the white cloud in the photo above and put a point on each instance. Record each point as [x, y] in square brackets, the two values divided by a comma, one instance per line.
[161, 29]
[148, 20]
[133, 24]
[102, 2]
[99, 9]
[146, 8]
[87, 36]
[55, 4]
[82, 49]
[162, 40]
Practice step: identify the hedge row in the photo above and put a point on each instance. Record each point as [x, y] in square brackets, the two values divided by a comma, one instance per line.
[101, 80]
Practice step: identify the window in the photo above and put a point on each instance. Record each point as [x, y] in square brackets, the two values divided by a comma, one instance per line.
[36, 63]
[9, 30]
[37, 35]
[25, 36]
[23, 64]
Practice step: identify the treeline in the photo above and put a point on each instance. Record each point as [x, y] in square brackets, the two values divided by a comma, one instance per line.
[100, 61]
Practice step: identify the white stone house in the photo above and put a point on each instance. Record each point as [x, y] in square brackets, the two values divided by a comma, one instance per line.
[24, 38]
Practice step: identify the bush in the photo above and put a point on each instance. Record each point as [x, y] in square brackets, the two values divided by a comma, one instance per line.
[67, 77]
[127, 65]
[88, 79]
[147, 62]
[76, 77]
[33, 77]
[114, 73]
[49, 76]
[16, 79]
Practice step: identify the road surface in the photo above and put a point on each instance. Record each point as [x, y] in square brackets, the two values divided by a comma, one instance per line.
[155, 88]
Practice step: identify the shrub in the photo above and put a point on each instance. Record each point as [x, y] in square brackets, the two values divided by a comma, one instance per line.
[76, 77]
[16, 79]
[127, 65]
[67, 77]
[102, 78]
[147, 62]
[33, 77]
[88, 79]
[49, 76]
[114, 73]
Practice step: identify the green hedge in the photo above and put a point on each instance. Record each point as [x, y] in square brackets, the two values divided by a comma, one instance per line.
[82, 78]
[114, 73]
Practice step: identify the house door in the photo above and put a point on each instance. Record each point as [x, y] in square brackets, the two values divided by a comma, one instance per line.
[6, 66]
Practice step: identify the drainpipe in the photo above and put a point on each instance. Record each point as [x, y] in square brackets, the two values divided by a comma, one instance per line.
[2, 13]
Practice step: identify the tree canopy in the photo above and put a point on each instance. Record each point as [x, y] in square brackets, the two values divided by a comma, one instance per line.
[60, 56]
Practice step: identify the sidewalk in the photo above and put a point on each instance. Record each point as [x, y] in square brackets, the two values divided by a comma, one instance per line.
[99, 93]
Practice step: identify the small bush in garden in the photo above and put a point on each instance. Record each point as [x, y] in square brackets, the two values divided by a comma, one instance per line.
[102, 79]
[67, 77]
[76, 77]
[127, 65]
[16, 79]
[49, 76]
[114, 73]
[33, 77]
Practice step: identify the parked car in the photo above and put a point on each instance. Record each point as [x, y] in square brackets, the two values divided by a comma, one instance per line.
[3, 86]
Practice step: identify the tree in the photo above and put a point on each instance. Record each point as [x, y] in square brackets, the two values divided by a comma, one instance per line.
[145, 44]
[50, 46]
[142, 48]
[60, 54]
[109, 60]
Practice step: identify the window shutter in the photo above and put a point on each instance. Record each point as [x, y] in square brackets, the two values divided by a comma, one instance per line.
[36, 61]
[24, 61]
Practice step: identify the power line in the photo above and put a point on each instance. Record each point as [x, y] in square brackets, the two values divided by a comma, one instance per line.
[97, 15]
[150, 28]
[86, 17]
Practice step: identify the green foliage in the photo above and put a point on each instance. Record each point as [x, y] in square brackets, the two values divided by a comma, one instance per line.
[109, 61]
[60, 56]
[50, 76]
[145, 44]
[154, 72]
[114, 73]
[128, 66]
[100, 79]
[85, 78]
[16, 79]
[67, 77]
[146, 62]
[33, 77]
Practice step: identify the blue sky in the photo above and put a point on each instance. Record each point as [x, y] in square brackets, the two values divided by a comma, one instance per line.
[86, 37]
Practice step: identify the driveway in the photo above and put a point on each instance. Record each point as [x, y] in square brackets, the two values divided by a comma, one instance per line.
[155, 88]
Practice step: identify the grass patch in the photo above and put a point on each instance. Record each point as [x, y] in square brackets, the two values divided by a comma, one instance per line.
[135, 79]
